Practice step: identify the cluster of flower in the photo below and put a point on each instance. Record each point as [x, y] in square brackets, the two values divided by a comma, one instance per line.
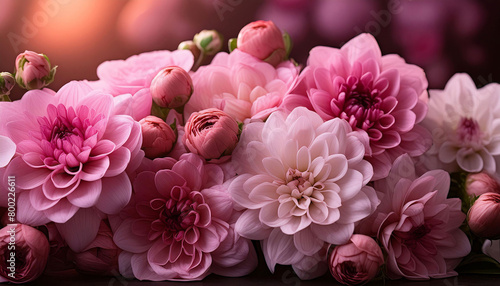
[167, 170]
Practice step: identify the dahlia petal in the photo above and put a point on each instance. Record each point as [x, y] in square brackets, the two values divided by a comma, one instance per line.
[166, 180]
[249, 226]
[26, 213]
[274, 167]
[338, 167]
[142, 269]
[26, 177]
[96, 100]
[404, 120]
[86, 194]
[124, 264]
[94, 170]
[306, 242]
[118, 161]
[102, 148]
[118, 129]
[350, 184]
[469, 161]
[356, 209]
[81, 229]
[115, 194]
[186, 169]
[388, 83]
[32, 159]
[71, 93]
[159, 253]
[61, 212]
[334, 233]
[279, 248]
[62, 180]
[126, 239]
[361, 48]
[39, 201]
[8, 151]
[263, 193]
[269, 215]
[209, 240]
[295, 224]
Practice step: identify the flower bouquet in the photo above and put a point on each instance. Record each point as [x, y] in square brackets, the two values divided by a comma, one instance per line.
[168, 169]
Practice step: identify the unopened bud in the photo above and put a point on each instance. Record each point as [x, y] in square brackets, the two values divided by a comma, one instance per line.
[7, 82]
[209, 41]
[33, 71]
[158, 138]
[190, 46]
[172, 87]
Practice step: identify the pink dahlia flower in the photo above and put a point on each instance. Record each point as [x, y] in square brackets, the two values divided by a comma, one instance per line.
[8, 150]
[72, 155]
[465, 124]
[302, 184]
[417, 225]
[179, 226]
[135, 74]
[240, 85]
[381, 97]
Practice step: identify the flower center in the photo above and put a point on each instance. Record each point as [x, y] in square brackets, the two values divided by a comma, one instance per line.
[412, 237]
[67, 135]
[468, 132]
[299, 187]
[175, 217]
[359, 105]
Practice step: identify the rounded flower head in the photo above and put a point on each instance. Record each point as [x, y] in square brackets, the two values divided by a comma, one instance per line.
[178, 225]
[465, 124]
[172, 87]
[31, 253]
[484, 216]
[7, 83]
[480, 183]
[33, 71]
[211, 134]
[158, 137]
[417, 225]
[134, 76]
[381, 97]
[263, 40]
[356, 262]
[208, 41]
[72, 154]
[302, 183]
[240, 85]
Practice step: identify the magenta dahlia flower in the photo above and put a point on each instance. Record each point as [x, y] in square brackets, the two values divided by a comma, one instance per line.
[381, 97]
[72, 153]
[240, 85]
[302, 186]
[134, 76]
[418, 227]
[179, 225]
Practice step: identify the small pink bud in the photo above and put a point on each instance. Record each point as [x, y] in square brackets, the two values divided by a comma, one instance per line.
[172, 87]
[158, 138]
[211, 133]
[209, 41]
[33, 71]
[263, 40]
[192, 47]
[7, 83]
[484, 216]
[357, 261]
[480, 183]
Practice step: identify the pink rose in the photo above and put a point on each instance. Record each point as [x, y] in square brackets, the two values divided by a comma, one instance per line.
[158, 137]
[484, 216]
[263, 40]
[33, 70]
[357, 261]
[101, 256]
[211, 133]
[480, 183]
[24, 251]
[172, 87]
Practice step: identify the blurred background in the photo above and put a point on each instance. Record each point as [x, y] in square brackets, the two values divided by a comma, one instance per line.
[441, 36]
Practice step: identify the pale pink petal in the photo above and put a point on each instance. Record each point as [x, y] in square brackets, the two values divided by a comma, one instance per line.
[335, 233]
[81, 229]
[8, 150]
[26, 213]
[61, 212]
[115, 194]
[279, 249]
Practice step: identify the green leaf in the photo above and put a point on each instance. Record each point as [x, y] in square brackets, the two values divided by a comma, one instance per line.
[478, 263]
[205, 42]
[159, 111]
[288, 43]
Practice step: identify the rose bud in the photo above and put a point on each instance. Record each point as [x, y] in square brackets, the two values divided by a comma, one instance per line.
[33, 70]
[101, 256]
[208, 41]
[484, 216]
[263, 40]
[211, 133]
[172, 87]
[192, 47]
[158, 138]
[7, 83]
[480, 183]
[357, 261]
[24, 252]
